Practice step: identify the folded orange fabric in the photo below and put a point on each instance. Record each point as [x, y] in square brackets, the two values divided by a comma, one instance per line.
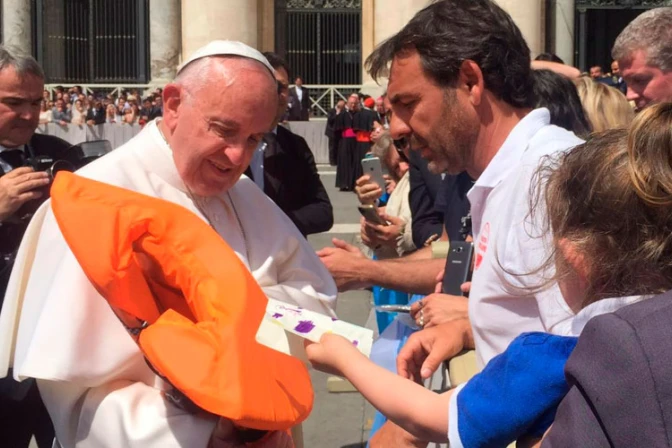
[186, 298]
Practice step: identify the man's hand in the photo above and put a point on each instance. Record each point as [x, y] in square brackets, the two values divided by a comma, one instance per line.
[367, 190]
[90, 122]
[389, 234]
[226, 435]
[437, 309]
[392, 436]
[346, 264]
[18, 187]
[425, 350]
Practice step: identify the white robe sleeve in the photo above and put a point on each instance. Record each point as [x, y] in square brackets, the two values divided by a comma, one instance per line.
[280, 258]
[120, 414]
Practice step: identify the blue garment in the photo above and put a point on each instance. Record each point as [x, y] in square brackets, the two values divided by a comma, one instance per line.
[516, 394]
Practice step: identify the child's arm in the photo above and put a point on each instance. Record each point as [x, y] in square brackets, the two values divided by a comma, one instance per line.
[419, 411]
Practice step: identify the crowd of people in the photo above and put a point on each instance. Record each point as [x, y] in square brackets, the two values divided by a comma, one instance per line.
[557, 184]
[73, 106]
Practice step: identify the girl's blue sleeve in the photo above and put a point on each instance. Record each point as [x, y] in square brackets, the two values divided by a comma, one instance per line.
[515, 395]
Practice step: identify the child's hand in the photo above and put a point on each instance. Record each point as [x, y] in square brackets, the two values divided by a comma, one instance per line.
[331, 354]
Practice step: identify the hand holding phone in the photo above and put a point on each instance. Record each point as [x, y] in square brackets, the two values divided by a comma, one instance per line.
[374, 169]
[370, 213]
[458, 267]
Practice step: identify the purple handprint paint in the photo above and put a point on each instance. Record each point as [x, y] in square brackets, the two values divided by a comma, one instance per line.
[305, 326]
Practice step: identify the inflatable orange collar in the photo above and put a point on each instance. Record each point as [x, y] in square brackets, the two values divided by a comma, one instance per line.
[186, 298]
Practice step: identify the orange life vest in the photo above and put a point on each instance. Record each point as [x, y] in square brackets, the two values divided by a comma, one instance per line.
[187, 299]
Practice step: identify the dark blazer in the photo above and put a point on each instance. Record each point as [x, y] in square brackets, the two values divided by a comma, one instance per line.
[427, 220]
[299, 110]
[620, 383]
[100, 115]
[291, 180]
[331, 118]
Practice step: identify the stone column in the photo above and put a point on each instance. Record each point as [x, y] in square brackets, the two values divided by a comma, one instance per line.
[266, 25]
[564, 30]
[207, 20]
[164, 40]
[529, 16]
[380, 20]
[16, 25]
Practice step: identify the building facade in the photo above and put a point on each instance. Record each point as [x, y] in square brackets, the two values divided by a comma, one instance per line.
[325, 41]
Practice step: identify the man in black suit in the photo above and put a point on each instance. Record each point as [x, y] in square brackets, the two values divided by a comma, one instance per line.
[284, 167]
[96, 115]
[331, 134]
[299, 101]
[21, 188]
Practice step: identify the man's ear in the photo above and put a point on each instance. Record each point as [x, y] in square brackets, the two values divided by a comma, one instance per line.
[173, 96]
[471, 79]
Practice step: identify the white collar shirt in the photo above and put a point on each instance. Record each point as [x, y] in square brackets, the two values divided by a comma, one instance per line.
[299, 93]
[509, 247]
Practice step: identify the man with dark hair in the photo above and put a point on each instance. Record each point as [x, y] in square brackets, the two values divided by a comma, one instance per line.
[96, 113]
[299, 101]
[643, 51]
[460, 90]
[21, 85]
[283, 166]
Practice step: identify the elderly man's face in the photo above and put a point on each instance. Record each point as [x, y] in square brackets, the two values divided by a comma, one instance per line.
[437, 121]
[615, 70]
[646, 84]
[19, 107]
[353, 103]
[380, 106]
[216, 131]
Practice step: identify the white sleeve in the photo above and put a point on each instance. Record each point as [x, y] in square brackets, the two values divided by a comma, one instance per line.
[281, 259]
[121, 414]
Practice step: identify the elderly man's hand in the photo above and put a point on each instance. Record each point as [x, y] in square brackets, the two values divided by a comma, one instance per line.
[425, 350]
[346, 264]
[367, 190]
[226, 435]
[392, 436]
[437, 309]
[389, 234]
[18, 187]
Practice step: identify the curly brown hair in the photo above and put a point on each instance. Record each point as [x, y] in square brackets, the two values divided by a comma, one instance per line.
[612, 198]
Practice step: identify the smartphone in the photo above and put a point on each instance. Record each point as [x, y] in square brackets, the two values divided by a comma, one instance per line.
[394, 308]
[458, 267]
[374, 169]
[370, 213]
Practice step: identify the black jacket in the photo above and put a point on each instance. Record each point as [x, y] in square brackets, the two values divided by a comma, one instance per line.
[620, 384]
[299, 110]
[427, 220]
[100, 115]
[291, 180]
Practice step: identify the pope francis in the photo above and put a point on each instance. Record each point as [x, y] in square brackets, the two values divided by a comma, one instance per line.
[56, 328]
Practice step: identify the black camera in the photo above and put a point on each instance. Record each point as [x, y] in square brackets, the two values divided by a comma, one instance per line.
[51, 167]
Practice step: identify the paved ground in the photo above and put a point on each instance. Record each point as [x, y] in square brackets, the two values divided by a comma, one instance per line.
[340, 420]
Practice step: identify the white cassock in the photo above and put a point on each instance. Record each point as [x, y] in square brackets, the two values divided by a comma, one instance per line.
[93, 378]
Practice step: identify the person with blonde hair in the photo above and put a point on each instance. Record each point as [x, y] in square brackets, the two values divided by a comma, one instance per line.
[606, 107]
